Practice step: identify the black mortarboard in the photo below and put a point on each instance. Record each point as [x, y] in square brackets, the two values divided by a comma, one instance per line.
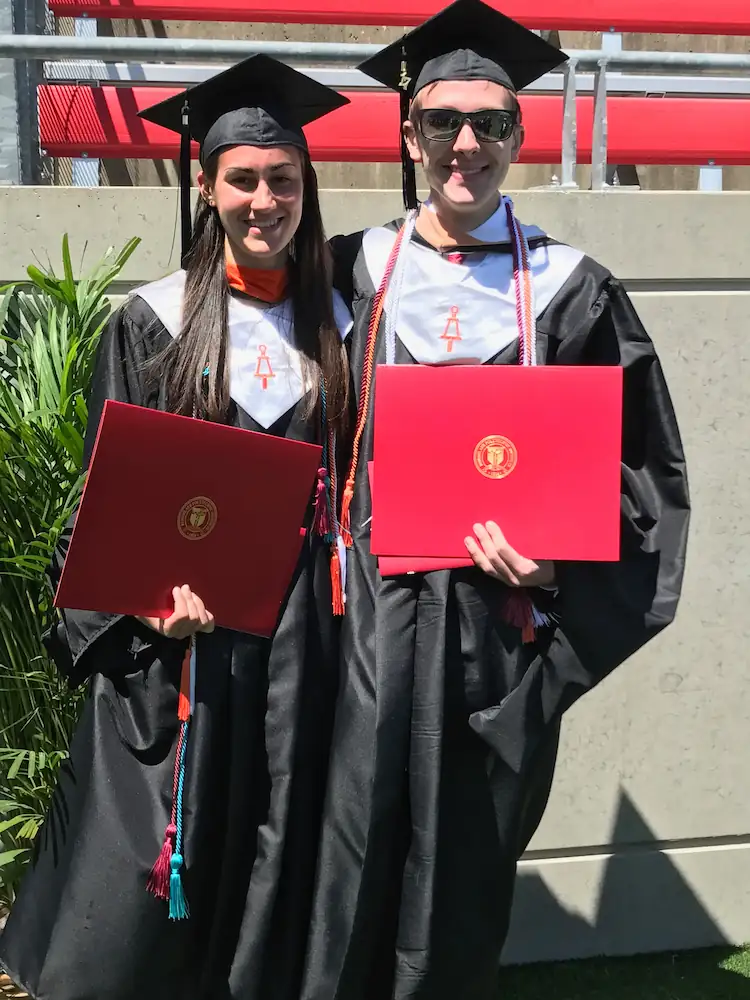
[468, 40]
[258, 102]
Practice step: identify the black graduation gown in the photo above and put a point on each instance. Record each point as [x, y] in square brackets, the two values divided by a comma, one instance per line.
[84, 926]
[447, 724]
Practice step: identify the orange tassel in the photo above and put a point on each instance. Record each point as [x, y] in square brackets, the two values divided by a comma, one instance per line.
[346, 501]
[338, 593]
[183, 704]
[528, 633]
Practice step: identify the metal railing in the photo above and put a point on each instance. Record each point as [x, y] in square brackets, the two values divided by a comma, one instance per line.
[100, 59]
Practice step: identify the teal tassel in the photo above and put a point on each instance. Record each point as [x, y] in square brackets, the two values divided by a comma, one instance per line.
[178, 907]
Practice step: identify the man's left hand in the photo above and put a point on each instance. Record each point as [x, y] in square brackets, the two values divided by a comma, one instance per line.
[492, 553]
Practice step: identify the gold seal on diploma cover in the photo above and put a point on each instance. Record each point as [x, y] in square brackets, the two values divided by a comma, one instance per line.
[495, 456]
[197, 518]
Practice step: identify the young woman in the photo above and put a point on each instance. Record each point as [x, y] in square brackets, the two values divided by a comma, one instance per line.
[249, 334]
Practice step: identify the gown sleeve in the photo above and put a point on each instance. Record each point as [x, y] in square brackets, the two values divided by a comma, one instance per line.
[85, 642]
[607, 611]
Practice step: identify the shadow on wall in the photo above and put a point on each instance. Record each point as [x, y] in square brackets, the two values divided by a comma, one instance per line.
[645, 905]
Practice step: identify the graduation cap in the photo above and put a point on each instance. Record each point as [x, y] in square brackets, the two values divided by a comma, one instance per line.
[258, 102]
[468, 40]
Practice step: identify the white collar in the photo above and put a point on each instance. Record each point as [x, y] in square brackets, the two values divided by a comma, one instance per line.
[265, 371]
[495, 229]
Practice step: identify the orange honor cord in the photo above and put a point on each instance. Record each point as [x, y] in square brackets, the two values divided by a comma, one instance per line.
[364, 396]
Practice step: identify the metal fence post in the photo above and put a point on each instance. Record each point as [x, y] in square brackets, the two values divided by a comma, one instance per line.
[10, 154]
[29, 18]
[570, 127]
[85, 171]
[599, 135]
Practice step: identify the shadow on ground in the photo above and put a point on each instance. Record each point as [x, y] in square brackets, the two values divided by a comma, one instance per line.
[644, 905]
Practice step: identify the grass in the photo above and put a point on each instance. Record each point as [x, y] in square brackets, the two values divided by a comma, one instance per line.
[712, 974]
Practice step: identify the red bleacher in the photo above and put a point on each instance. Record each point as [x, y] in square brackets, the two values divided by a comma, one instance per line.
[102, 122]
[723, 17]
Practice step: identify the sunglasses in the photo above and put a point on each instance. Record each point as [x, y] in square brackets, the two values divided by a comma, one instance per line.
[443, 124]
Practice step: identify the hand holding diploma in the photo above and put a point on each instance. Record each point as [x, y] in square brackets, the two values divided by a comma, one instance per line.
[492, 553]
[190, 616]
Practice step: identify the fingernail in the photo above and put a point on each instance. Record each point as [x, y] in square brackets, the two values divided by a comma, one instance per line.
[477, 527]
[467, 542]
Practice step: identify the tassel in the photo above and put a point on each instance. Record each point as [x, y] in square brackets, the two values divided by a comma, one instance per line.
[321, 523]
[541, 619]
[178, 907]
[519, 611]
[186, 221]
[158, 880]
[183, 702]
[336, 586]
[346, 501]
[164, 880]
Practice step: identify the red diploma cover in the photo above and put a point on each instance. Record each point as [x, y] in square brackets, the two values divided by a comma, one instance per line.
[171, 500]
[535, 449]
[399, 565]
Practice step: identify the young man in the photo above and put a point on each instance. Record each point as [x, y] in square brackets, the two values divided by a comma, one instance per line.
[450, 699]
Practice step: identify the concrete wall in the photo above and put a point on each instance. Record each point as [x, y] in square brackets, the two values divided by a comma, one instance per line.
[646, 842]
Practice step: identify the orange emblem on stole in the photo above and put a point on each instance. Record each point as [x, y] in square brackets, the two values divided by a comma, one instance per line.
[263, 369]
[452, 330]
[197, 518]
[495, 456]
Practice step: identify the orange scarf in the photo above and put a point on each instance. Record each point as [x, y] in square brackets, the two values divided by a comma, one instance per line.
[265, 284]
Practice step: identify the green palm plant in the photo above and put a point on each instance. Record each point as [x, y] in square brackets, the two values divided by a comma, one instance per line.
[49, 330]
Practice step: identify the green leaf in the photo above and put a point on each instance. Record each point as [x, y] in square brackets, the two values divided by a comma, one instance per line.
[29, 830]
[8, 856]
[15, 767]
[70, 284]
[8, 824]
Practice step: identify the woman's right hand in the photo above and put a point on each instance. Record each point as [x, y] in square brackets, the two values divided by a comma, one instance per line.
[190, 616]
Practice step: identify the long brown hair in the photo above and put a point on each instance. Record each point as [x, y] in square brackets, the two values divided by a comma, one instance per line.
[195, 365]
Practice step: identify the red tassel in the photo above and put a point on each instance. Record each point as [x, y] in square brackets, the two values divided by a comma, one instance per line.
[346, 500]
[158, 880]
[320, 519]
[518, 611]
[338, 592]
